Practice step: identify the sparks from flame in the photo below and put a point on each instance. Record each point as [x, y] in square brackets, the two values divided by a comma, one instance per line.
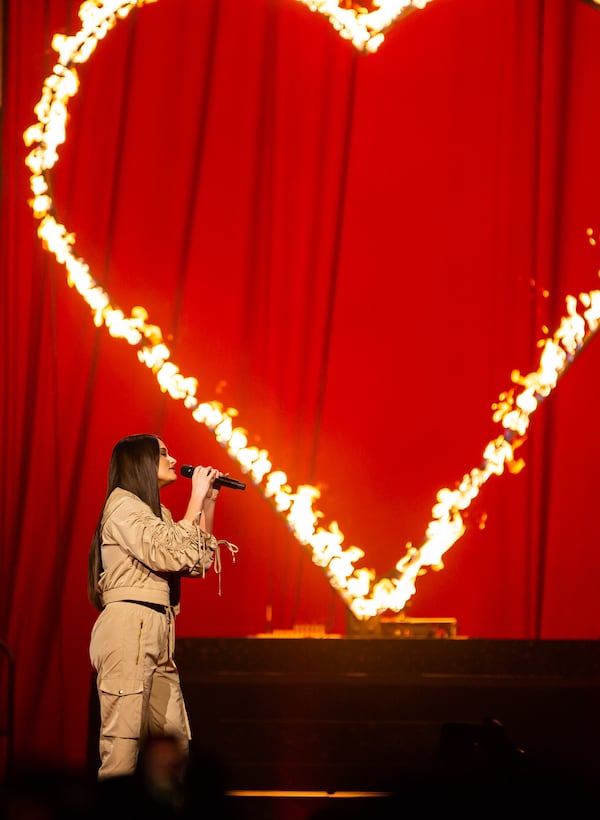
[363, 593]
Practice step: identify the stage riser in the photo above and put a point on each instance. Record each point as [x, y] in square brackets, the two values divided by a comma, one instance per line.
[307, 714]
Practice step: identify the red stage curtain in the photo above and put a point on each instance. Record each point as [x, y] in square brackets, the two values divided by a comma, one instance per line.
[354, 252]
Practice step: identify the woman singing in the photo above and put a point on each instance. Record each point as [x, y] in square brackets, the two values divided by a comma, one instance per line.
[136, 560]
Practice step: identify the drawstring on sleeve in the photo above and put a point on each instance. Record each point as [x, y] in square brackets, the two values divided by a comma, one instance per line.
[210, 544]
[217, 567]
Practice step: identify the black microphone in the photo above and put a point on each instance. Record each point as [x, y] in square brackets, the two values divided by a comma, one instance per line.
[222, 481]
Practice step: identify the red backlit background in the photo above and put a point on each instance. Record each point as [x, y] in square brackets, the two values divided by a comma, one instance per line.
[354, 252]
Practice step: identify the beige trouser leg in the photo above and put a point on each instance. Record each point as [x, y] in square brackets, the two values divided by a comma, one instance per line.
[139, 689]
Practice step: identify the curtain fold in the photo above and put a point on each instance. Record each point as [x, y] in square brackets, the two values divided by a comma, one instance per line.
[353, 252]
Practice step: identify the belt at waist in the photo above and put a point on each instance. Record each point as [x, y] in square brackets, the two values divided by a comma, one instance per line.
[156, 607]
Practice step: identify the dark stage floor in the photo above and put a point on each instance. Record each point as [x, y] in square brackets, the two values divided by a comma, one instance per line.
[354, 714]
[298, 728]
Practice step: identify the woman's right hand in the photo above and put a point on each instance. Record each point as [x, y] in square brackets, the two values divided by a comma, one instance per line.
[202, 480]
[203, 491]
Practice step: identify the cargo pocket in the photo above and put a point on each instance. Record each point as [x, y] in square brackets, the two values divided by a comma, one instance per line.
[121, 706]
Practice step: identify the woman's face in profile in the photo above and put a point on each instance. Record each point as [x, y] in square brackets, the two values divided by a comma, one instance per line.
[166, 466]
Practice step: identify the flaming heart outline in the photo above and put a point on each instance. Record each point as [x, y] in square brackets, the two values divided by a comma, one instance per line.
[365, 594]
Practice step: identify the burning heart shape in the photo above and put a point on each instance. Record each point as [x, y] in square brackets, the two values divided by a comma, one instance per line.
[365, 595]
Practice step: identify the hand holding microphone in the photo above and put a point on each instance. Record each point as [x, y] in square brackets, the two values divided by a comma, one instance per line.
[187, 470]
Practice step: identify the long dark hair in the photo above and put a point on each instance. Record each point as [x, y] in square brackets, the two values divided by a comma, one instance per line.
[134, 467]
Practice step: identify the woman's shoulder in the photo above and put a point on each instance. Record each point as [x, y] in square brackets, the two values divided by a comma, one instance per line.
[120, 497]
[123, 502]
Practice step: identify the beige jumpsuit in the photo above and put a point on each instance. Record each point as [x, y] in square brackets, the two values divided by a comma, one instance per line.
[133, 639]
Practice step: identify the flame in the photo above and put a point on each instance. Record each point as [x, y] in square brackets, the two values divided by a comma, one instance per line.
[364, 594]
[363, 28]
